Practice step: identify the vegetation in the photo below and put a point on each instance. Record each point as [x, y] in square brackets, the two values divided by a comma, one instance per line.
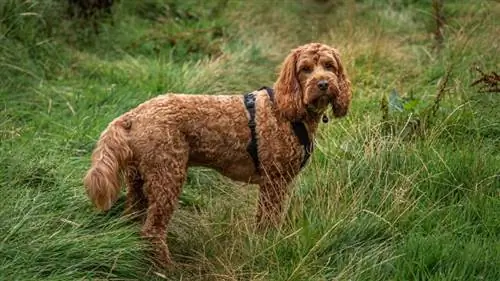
[407, 192]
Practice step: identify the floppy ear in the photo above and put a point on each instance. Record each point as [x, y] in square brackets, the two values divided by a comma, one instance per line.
[342, 101]
[288, 90]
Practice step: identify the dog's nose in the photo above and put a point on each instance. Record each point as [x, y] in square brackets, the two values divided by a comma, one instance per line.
[323, 85]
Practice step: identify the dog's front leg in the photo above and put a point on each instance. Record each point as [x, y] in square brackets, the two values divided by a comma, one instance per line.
[273, 194]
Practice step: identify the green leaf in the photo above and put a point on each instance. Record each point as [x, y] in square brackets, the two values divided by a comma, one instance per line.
[411, 105]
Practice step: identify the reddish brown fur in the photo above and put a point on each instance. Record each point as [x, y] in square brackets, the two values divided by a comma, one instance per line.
[155, 143]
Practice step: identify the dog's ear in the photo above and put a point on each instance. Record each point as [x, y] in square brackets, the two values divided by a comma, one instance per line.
[342, 101]
[288, 90]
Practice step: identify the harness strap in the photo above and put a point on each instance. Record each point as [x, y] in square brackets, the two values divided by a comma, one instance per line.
[249, 99]
[301, 132]
[269, 91]
[298, 127]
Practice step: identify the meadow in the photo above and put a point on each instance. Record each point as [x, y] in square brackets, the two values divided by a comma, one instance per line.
[406, 187]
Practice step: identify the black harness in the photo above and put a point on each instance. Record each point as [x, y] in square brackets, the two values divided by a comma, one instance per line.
[298, 128]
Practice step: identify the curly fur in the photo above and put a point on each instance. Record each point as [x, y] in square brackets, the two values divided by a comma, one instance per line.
[154, 144]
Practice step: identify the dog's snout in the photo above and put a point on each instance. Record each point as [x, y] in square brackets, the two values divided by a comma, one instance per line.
[323, 85]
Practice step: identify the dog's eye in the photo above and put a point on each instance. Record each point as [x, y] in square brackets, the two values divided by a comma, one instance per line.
[329, 66]
[306, 69]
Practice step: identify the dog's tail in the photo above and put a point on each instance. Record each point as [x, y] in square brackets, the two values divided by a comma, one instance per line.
[109, 159]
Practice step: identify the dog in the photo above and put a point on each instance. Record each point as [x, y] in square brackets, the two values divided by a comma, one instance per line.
[263, 137]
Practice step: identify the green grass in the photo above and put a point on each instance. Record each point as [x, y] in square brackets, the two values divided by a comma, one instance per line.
[371, 204]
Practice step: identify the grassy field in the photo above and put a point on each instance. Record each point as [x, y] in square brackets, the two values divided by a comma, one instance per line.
[407, 187]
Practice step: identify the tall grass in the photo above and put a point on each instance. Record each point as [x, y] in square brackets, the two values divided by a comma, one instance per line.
[369, 206]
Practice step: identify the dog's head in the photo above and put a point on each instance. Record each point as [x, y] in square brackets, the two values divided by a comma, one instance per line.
[311, 77]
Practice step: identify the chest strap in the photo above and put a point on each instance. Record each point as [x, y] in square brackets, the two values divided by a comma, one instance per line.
[301, 132]
[298, 128]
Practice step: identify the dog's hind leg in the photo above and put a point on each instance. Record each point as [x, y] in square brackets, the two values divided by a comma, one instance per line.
[136, 200]
[164, 178]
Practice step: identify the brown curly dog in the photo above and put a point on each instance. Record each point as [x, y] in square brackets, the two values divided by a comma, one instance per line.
[263, 137]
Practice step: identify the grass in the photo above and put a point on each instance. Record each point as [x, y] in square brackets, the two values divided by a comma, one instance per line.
[371, 205]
